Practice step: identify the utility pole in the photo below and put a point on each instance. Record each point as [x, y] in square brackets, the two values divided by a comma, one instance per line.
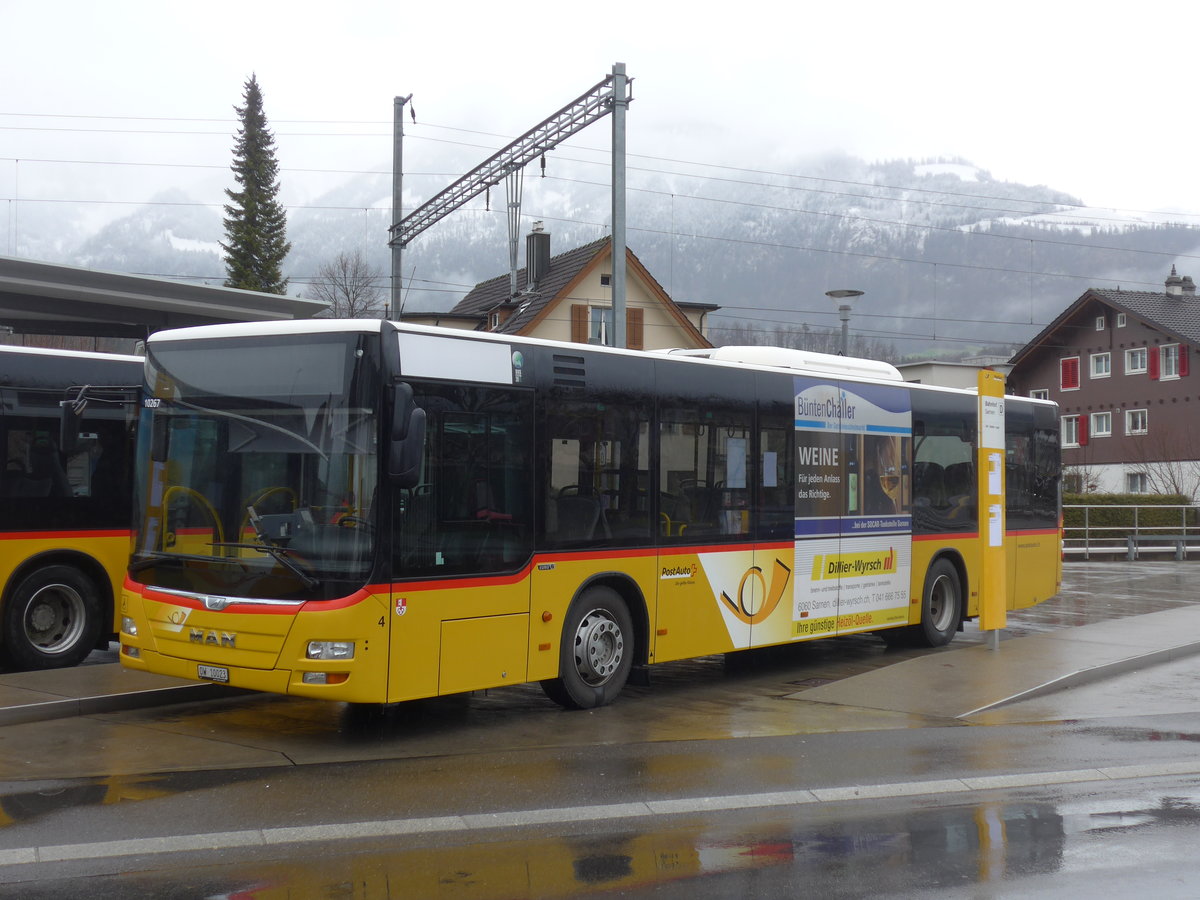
[397, 202]
[620, 104]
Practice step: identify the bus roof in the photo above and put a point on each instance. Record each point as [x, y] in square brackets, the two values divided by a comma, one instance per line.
[787, 358]
[258, 329]
[823, 364]
[74, 354]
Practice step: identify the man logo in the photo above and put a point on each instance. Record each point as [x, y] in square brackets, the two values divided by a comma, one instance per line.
[213, 638]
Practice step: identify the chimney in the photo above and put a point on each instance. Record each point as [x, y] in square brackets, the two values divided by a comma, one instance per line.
[1189, 286]
[1174, 284]
[537, 255]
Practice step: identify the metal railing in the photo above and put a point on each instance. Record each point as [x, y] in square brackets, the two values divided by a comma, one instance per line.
[1150, 528]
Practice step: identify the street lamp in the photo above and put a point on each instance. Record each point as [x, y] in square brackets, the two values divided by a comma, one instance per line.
[842, 298]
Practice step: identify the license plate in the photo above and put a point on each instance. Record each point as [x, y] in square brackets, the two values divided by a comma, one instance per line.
[213, 673]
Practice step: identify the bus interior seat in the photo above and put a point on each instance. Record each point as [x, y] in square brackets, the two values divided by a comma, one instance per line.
[675, 513]
[579, 515]
[960, 479]
[929, 483]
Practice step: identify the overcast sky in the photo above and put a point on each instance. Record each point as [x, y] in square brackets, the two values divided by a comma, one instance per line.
[1094, 100]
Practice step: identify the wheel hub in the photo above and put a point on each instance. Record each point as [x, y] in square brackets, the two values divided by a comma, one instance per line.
[55, 618]
[599, 647]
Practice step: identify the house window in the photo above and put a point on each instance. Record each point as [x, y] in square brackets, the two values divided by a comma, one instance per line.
[1101, 365]
[1137, 421]
[1168, 361]
[605, 280]
[494, 321]
[600, 325]
[1135, 361]
[1136, 483]
[1120, 320]
[1040, 394]
[1101, 424]
[1070, 431]
[1069, 373]
[1099, 323]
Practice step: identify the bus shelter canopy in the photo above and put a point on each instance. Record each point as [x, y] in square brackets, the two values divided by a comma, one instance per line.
[48, 298]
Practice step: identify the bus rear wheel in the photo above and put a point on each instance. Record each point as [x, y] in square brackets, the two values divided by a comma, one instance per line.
[941, 605]
[596, 653]
[941, 610]
[51, 619]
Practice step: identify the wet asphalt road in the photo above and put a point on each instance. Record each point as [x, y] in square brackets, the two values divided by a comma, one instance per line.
[703, 729]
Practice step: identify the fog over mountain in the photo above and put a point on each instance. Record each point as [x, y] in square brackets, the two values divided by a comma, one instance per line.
[950, 260]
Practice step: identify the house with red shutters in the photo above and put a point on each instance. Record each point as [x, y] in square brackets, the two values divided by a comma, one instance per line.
[1118, 363]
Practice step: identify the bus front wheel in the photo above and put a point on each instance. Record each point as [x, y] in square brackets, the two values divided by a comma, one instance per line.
[51, 620]
[596, 653]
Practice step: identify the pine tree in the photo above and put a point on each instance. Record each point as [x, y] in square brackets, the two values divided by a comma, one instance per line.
[255, 223]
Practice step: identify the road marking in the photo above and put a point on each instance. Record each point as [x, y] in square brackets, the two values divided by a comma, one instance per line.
[269, 837]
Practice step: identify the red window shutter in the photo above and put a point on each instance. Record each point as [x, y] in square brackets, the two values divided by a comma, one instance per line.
[1069, 373]
[1081, 428]
[579, 323]
[1152, 359]
[635, 318]
[1183, 360]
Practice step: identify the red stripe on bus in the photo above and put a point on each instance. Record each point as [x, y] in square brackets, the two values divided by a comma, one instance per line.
[62, 535]
[250, 607]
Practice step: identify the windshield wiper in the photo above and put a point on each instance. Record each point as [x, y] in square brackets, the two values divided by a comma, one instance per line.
[154, 557]
[278, 553]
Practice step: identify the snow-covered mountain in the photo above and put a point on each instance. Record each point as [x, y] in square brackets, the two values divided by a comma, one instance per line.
[948, 257]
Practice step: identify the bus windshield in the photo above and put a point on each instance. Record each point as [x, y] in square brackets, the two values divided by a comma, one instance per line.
[262, 471]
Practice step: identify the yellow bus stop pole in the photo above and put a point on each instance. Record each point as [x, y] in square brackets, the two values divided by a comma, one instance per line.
[993, 587]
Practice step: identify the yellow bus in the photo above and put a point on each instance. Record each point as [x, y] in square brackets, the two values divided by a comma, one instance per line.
[372, 512]
[64, 521]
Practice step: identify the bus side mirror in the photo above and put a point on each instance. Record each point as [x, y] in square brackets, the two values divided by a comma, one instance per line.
[403, 406]
[159, 439]
[71, 411]
[404, 455]
[68, 430]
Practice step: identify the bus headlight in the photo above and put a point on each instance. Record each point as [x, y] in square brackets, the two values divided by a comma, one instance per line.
[331, 650]
[128, 626]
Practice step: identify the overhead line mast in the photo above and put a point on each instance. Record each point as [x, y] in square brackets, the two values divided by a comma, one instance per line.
[611, 95]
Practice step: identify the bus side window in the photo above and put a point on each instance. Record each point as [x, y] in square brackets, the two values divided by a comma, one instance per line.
[776, 484]
[597, 473]
[704, 473]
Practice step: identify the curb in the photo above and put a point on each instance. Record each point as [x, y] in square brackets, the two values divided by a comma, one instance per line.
[89, 706]
[1093, 674]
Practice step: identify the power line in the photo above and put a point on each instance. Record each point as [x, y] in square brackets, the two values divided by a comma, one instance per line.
[664, 159]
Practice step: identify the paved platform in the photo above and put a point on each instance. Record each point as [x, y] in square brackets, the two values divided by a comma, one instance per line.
[967, 682]
[91, 689]
[955, 684]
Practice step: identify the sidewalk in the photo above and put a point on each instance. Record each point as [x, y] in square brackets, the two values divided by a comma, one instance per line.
[91, 689]
[962, 683]
[1133, 615]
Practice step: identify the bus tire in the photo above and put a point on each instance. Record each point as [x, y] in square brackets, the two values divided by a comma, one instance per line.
[596, 653]
[941, 605]
[51, 619]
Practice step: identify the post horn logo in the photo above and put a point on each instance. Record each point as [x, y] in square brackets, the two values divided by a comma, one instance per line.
[780, 577]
